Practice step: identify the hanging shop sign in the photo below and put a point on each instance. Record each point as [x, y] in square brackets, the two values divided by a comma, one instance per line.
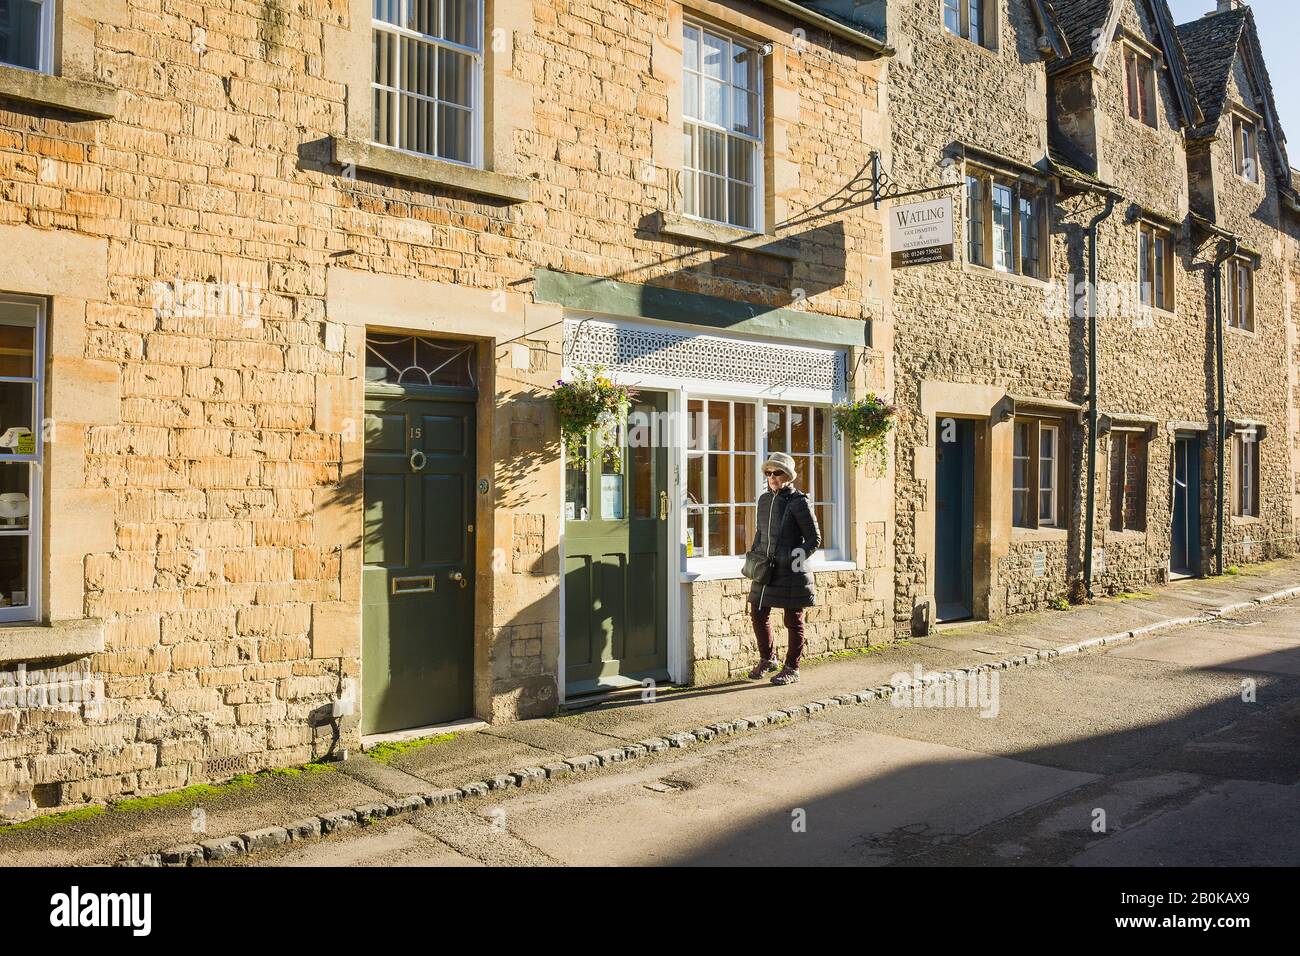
[921, 233]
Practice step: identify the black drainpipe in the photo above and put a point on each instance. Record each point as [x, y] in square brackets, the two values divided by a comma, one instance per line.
[1221, 415]
[1092, 391]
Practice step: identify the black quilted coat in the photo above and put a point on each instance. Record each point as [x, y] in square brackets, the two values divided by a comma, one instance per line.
[793, 525]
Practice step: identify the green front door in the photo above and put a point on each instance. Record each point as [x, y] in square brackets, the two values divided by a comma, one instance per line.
[417, 584]
[615, 547]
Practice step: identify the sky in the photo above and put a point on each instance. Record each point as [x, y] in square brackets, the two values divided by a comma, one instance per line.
[1279, 25]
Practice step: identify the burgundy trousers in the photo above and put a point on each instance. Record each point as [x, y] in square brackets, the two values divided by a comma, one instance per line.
[762, 620]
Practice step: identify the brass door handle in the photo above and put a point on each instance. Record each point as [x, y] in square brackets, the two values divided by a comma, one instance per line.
[663, 506]
[459, 579]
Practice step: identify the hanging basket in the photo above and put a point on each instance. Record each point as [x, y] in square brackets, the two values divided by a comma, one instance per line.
[590, 399]
[865, 425]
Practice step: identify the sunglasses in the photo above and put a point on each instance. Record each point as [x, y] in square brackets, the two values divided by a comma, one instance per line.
[771, 474]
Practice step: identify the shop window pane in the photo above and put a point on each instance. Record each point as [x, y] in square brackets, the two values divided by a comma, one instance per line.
[695, 532]
[719, 531]
[777, 417]
[696, 426]
[1019, 506]
[719, 478]
[821, 431]
[825, 518]
[719, 426]
[803, 465]
[823, 488]
[460, 21]
[800, 428]
[746, 518]
[746, 470]
[744, 415]
[695, 479]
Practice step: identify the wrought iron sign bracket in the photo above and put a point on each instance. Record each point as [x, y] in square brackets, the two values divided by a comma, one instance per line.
[882, 185]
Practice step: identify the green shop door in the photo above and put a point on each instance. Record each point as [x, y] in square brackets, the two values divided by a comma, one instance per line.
[615, 547]
[417, 584]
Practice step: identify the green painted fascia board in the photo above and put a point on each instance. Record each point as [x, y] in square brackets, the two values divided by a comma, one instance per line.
[629, 300]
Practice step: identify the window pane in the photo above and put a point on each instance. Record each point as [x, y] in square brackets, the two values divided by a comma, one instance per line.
[823, 487]
[741, 198]
[417, 66]
[15, 491]
[777, 416]
[1019, 505]
[710, 151]
[455, 78]
[695, 532]
[16, 347]
[13, 570]
[691, 47]
[16, 406]
[740, 159]
[1029, 237]
[803, 465]
[977, 21]
[825, 523]
[385, 58]
[719, 531]
[713, 203]
[1045, 507]
[719, 426]
[744, 67]
[744, 415]
[713, 103]
[1002, 247]
[642, 453]
[952, 16]
[715, 56]
[20, 33]
[695, 479]
[719, 478]
[821, 431]
[460, 21]
[421, 16]
[746, 520]
[746, 471]
[690, 96]
[575, 486]
[696, 425]
[417, 118]
[745, 116]
[454, 134]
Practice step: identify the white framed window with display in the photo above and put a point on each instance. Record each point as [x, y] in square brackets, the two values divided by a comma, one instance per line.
[22, 381]
[728, 440]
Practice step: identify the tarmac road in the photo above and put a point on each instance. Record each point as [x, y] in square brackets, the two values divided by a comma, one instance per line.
[1145, 754]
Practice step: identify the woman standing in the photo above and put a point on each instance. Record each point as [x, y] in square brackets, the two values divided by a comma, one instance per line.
[787, 535]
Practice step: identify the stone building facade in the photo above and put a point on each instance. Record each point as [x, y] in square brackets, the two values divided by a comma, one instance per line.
[1065, 113]
[283, 326]
[289, 288]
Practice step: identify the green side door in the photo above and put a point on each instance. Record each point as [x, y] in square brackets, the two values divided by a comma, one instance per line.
[615, 547]
[417, 583]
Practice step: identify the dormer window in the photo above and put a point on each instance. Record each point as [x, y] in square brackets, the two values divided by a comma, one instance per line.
[1140, 77]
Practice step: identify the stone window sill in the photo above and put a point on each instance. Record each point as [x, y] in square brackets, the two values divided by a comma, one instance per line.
[731, 572]
[716, 234]
[426, 169]
[975, 269]
[1245, 521]
[1041, 535]
[1127, 536]
[75, 96]
[40, 642]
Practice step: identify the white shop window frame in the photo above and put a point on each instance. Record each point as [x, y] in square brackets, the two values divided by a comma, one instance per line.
[46, 64]
[478, 114]
[36, 472]
[682, 389]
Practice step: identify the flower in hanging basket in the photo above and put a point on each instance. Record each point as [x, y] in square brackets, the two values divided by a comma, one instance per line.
[865, 425]
[591, 399]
